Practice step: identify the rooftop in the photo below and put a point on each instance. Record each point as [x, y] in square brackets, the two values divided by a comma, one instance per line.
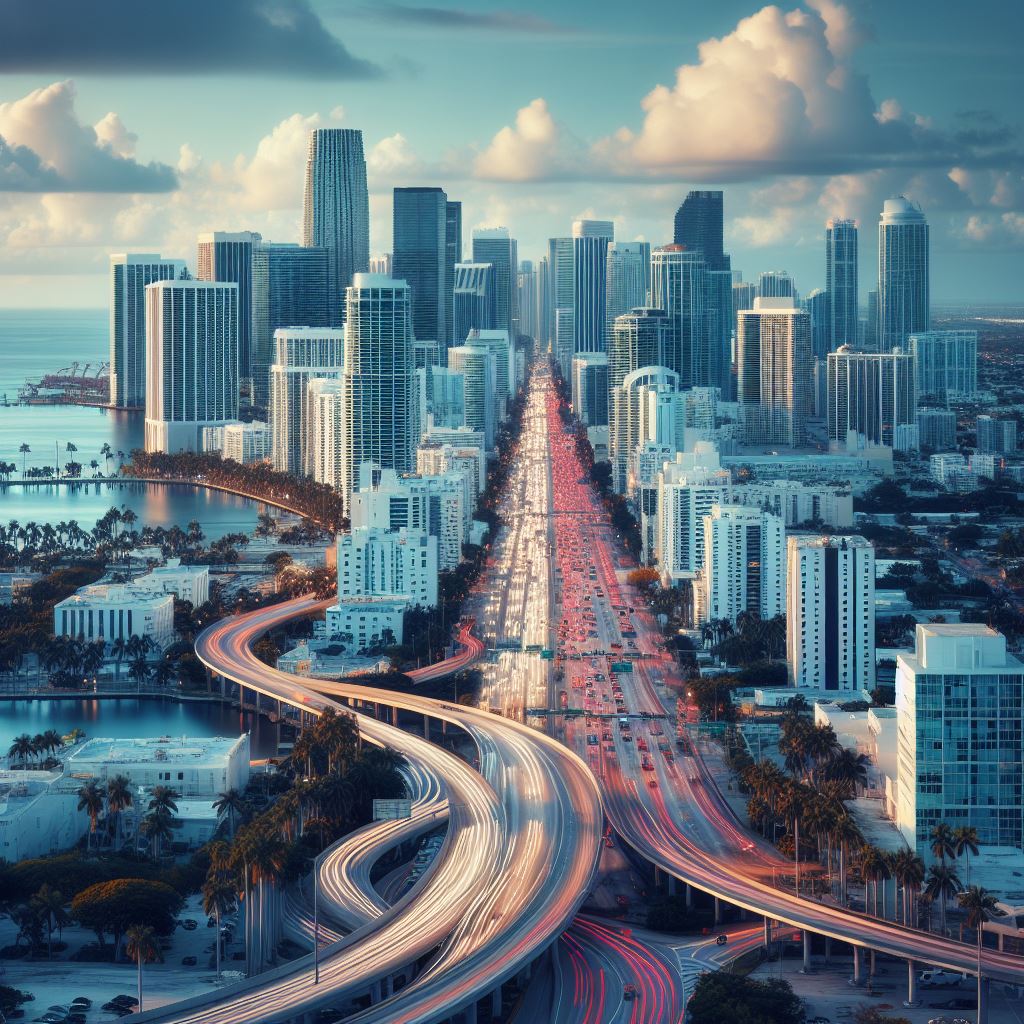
[191, 750]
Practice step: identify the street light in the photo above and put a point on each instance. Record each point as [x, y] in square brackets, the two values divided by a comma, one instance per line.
[316, 915]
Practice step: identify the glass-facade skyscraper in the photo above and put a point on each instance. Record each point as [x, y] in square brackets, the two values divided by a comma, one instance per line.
[497, 247]
[419, 258]
[698, 225]
[903, 301]
[841, 283]
[474, 304]
[679, 286]
[336, 208]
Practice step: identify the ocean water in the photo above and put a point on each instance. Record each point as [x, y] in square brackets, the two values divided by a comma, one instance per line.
[35, 342]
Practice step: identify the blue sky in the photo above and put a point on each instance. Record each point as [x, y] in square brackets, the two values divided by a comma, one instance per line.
[122, 135]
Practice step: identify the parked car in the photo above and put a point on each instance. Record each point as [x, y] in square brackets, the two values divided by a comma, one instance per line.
[935, 977]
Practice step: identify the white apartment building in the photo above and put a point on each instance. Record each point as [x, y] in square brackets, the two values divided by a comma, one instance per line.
[478, 366]
[466, 463]
[325, 403]
[744, 567]
[946, 466]
[186, 582]
[242, 442]
[116, 611]
[945, 365]
[830, 613]
[996, 435]
[799, 502]
[960, 722]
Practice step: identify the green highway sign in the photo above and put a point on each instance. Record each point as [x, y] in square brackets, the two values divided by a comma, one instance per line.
[547, 654]
[621, 666]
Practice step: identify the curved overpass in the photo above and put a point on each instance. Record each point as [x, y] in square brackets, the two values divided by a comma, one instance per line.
[520, 853]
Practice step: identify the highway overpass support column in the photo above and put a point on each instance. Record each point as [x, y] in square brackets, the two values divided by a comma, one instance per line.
[426, 727]
[982, 1000]
[858, 966]
[806, 969]
[394, 715]
[496, 1003]
[718, 911]
[689, 896]
[469, 1013]
[911, 999]
[375, 993]
[767, 932]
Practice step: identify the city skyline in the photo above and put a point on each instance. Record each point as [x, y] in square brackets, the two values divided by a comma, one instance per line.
[85, 171]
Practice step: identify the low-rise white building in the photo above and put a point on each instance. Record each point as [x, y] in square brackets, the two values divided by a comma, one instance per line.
[116, 611]
[37, 817]
[186, 582]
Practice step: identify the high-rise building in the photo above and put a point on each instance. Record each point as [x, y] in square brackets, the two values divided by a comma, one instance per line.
[997, 436]
[452, 256]
[744, 563]
[474, 300]
[498, 344]
[773, 355]
[642, 408]
[301, 354]
[590, 388]
[830, 613]
[336, 208]
[226, 256]
[528, 308]
[946, 365]
[325, 397]
[871, 323]
[191, 361]
[420, 259]
[561, 291]
[841, 283]
[590, 241]
[381, 264]
[817, 305]
[960, 723]
[775, 284]
[743, 294]
[545, 315]
[679, 286]
[130, 273]
[936, 429]
[478, 366]
[629, 279]
[497, 247]
[446, 392]
[871, 394]
[380, 378]
[289, 286]
[698, 225]
[594, 229]
[903, 300]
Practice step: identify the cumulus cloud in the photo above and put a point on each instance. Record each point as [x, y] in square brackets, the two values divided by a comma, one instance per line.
[271, 179]
[392, 156]
[536, 146]
[257, 37]
[43, 132]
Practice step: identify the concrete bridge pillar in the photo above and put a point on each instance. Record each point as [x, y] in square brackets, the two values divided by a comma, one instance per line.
[394, 716]
[469, 1013]
[388, 987]
[767, 933]
[496, 1003]
[375, 993]
[911, 999]
[858, 966]
[806, 968]
[718, 911]
[426, 727]
[689, 896]
[983, 1000]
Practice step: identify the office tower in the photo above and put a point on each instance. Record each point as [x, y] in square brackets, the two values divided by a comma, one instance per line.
[419, 258]
[688, 487]
[721, 322]
[590, 241]
[871, 323]
[191, 361]
[629, 279]
[130, 273]
[452, 256]
[289, 286]
[301, 354]
[594, 229]
[637, 413]
[830, 613]
[527, 285]
[497, 247]
[841, 283]
[336, 208]
[380, 378]
[226, 256]
[936, 429]
[474, 301]
[447, 390]
[946, 365]
[960, 723]
[590, 388]
[561, 289]
[775, 284]
[903, 301]
[479, 369]
[744, 564]
[381, 264]
[743, 295]
[773, 355]
[497, 343]
[996, 436]
[679, 286]
[870, 394]
[325, 398]
[698, 226]
[817, 306]
[545, 321]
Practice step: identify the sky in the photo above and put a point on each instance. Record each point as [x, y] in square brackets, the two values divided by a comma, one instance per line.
[128, 127]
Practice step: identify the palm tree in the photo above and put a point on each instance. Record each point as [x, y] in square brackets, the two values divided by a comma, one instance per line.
[981, 906]
[90, 800]
[24, 449]
[267, 856]
[21, 748]
[791, 804]
[119, 799]
[162, 800]
[233, 802]
[156, 827]
[943, 882]
[218, 899]
[142, 948]
[873, 869]
[965, 840]
[119, 649]
[908, 871]
[139, 671]
[48, 904]
[848, 768]
[943, 842]
[844, 834]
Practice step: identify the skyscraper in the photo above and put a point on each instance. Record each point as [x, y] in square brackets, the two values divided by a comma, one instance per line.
[226, 256]
[301, 354]
[191, 361]
[773, 355]
[528, 299]
[590, 388]
[380, 379]
[841, 283]
[326, 416]
[871, 394]
[336, 208]
[590, 277]
[478, 366]
[698, 225]
[946, 365]
[818, 309]
[679, 286]
[474, 304]
[289, 287]
[452, 255]
[775, 284]
[830, 612]
[497, 247]
[561, 292]
[629, 279]
[903, 302]
[130, 272]
[419, 258]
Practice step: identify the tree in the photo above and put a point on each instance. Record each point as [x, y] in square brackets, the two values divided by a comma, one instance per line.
[942, 883]
[90, 800]
[142, 948]
[48, 905]
[21, 749]
[908, 870]
[965, 841]
[111, 908]
[981, 906]
[233, 802]
[219, 895]
[723, 998]
[873, 869]
[943, 842]
[119, 799]
[157, 828]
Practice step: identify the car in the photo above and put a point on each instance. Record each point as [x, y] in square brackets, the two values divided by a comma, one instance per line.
[948, 1020]
[188, 961]
[936, 977]
[653, 783]
[81, 1001]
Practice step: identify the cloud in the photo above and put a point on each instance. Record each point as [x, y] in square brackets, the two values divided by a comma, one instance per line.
[392, 157]
[535, 147]
[448, 18]
[272, 179]
[256, 37]
[43, 132]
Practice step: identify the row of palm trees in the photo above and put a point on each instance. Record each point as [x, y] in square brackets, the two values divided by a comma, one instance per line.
[111, 802]
[36, 749]
[72, 468]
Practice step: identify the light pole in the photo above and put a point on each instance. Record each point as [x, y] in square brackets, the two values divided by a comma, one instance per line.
[316, 916]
